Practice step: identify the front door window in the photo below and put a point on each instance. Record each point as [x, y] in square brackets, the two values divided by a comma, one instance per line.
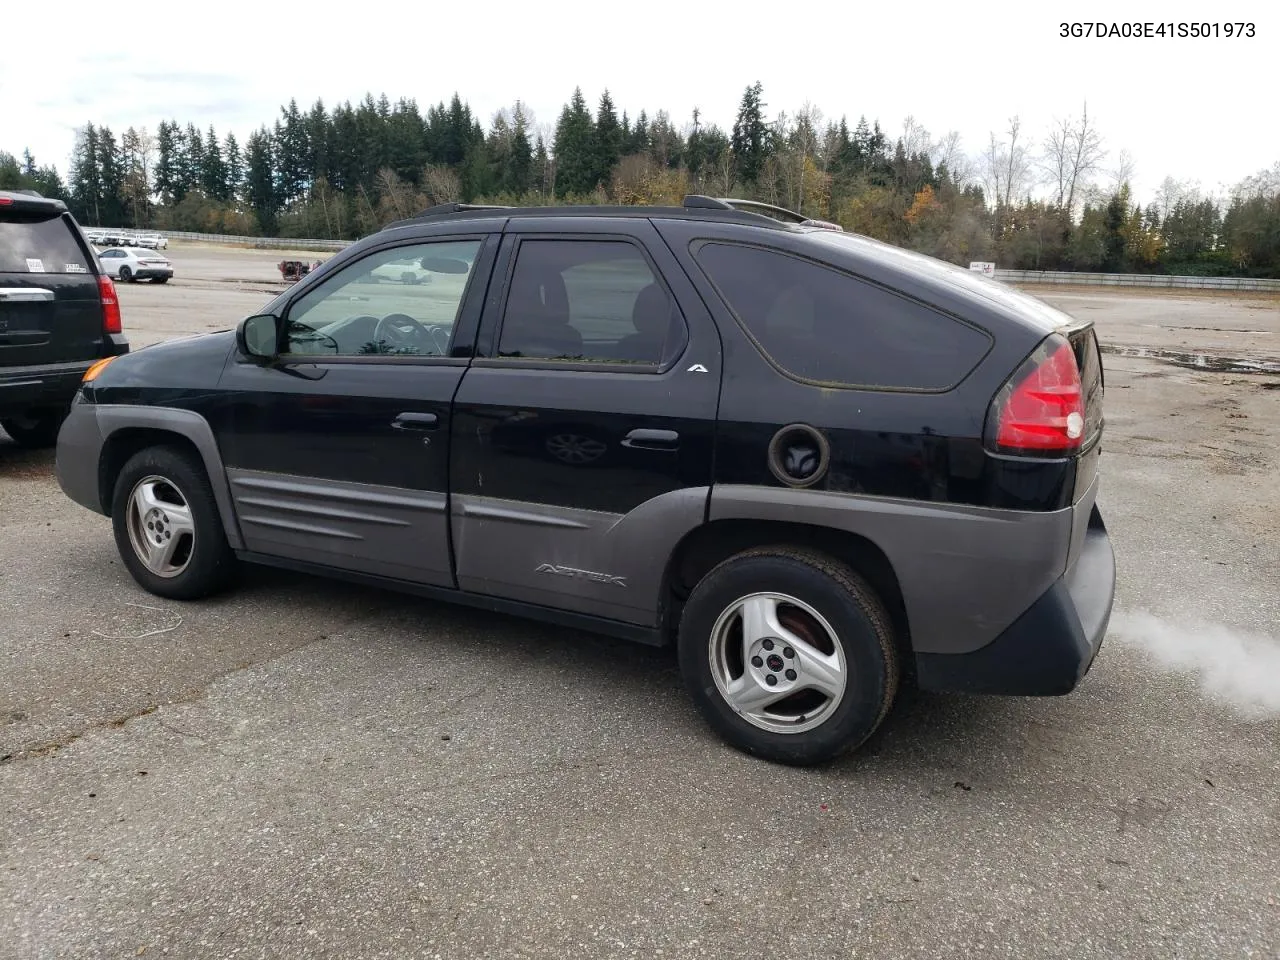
[398, 302]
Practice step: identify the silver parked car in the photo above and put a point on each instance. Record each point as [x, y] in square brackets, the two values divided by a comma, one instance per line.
[134, 264]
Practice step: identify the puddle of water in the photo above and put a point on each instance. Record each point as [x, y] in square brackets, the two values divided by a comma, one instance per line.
[1197, 361]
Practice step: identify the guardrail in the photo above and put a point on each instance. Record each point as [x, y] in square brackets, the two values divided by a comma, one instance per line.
[261, 243]
[1136, 280]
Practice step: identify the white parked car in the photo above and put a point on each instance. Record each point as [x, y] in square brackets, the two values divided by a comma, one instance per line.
[131, 265]
[152, 241]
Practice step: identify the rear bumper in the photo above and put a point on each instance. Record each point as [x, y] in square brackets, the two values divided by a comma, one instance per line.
[24, 388]
[1050, 647]
[151, 273]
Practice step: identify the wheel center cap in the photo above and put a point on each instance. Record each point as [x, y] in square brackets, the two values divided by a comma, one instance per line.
[774, 661]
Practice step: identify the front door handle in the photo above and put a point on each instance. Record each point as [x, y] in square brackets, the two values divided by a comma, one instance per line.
[645, 439]
[415, 421]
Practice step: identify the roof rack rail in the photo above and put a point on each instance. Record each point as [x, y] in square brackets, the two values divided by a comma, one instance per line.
[697, 201]
[440, 209]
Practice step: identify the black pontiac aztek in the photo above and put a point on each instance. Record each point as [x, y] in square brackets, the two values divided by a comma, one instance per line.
[822, 466]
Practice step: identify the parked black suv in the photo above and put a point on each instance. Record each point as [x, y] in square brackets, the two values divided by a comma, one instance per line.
[820, 464]
[58, 314]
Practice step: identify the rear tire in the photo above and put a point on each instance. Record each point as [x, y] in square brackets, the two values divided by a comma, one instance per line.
[797, 628]
[167, 526]
[34, 430]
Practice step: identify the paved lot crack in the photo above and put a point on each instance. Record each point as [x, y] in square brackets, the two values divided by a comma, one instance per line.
[49, 747]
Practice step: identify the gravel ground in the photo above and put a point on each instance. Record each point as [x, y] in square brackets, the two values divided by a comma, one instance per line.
[310, 768]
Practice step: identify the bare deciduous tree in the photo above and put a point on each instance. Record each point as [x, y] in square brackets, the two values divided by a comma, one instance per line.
[1005, 165]
[949, 152]
[1122, 172]
[1072, 153]
[915, 138]
[440, 184]
[1016, 165]
[396, 194]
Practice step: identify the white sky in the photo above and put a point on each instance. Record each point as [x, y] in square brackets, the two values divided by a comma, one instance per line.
[1195, 109]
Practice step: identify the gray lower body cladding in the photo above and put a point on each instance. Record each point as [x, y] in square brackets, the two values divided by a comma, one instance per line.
[983, 589]
[368, 529]
[89, 427]
[966, 573]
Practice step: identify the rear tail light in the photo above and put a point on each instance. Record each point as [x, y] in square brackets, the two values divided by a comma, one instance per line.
[110, 305]
[1040, 410]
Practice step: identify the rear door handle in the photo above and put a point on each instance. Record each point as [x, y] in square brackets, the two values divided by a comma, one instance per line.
[415, 421]
[645, 439]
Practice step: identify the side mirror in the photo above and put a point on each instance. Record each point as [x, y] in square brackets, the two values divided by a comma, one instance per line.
[259, 337]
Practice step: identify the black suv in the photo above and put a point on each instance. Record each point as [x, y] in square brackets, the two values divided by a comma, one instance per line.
[822, 465]
[58, 314]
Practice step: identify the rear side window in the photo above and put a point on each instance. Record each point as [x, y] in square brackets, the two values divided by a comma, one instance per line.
[819, 324]
[39, 246]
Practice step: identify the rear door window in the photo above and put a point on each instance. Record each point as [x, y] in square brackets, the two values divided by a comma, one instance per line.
[588, 300]
[39, 246]
[819, 324]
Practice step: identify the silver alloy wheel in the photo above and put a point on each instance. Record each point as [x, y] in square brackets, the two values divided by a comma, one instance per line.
[574, 448]
[161, 530]
[777, 662]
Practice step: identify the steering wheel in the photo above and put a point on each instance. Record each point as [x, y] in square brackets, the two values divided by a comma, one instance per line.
[401, 326]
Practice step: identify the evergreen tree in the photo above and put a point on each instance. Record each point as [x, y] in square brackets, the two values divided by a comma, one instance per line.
[639, 142]
[540, 173]
[319, 131]
[519, 174]
[576, 158]
[293, 155]
[1115, 245]
[111, 174]
[213, 176]
[260, 181]
[235, 166]
[498, 154]
[344, 164]
[695, 152]
[406, 154]
[751, 137]
[168, 177]
[608, 140]
[193, 159]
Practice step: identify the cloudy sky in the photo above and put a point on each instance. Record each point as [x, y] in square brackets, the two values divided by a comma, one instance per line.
[1194, 109]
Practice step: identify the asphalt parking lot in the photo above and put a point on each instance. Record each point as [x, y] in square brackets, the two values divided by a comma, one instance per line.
[309, 768]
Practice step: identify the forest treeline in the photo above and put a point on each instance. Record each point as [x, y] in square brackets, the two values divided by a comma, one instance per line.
[1049, 203]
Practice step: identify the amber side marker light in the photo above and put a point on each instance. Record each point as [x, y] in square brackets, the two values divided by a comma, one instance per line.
[95, 369]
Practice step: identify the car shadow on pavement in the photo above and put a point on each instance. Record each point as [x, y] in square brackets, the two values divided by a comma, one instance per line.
[19, 463]
[926, 739]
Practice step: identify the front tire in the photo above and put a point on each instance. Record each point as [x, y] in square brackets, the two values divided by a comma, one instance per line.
[126, 275]
[789, 655]
[167, 526]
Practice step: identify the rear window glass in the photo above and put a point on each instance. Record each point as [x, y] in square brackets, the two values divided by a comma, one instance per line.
[819, 324]
[40, 246]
